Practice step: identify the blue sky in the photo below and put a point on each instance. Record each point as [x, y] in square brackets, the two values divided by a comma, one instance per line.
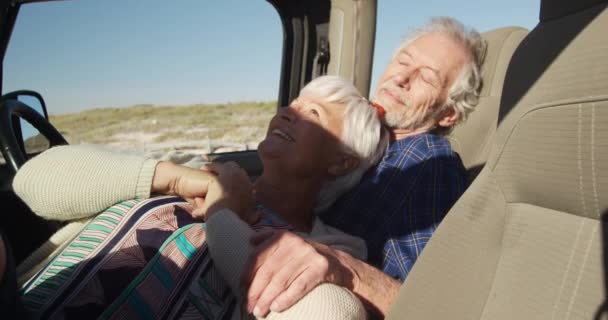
[88, 54]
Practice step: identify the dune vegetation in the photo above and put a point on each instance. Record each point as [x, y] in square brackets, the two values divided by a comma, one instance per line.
[203, 127]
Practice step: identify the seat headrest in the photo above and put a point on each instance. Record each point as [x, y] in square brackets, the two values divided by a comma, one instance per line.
[553, 9]
[500, 43]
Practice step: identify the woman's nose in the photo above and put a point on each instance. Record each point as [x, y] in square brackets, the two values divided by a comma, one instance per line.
[287, 114]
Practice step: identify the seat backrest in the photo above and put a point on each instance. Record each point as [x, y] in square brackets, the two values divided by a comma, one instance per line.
[526, 240]
[472, 139]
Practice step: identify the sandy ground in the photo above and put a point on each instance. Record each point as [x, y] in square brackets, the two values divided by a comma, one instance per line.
[145, 142]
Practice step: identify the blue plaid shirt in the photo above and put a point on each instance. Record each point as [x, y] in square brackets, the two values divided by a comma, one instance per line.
[400, 202]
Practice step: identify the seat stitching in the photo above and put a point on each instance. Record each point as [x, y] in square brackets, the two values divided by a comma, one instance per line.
[582, 268]
[535, 108]
[593, 178]
[581, 185]
[565, 276]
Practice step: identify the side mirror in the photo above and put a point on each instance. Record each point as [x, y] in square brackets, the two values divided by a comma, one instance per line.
[31, 141]
[31, 98]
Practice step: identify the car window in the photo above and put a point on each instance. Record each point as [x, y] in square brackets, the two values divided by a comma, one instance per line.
[187, 75]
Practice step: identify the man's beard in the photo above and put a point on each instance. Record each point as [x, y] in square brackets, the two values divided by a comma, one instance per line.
[404, 115]
[396, 114]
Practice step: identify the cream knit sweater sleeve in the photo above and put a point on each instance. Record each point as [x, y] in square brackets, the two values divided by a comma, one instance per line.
[228, 240]
[78, 181]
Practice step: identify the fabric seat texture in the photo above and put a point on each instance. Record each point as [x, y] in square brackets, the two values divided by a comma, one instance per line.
[527, 239]
[473, 138]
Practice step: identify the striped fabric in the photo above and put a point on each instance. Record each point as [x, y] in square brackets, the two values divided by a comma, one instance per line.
[137, 260]
[40, 292]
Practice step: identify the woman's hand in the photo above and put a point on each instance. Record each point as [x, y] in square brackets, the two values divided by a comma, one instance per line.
[230, 189]
[188, 183]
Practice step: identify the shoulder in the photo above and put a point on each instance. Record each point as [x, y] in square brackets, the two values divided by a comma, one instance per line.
[428, 144]
[338, 239]
[418, 148]
[422, 158]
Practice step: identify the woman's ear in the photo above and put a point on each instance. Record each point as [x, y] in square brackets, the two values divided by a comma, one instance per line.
[344, 164]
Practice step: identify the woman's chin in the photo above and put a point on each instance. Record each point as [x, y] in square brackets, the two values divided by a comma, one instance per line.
[270, 148]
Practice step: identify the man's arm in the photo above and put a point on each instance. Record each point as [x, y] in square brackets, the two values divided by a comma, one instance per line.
[228, 240]
[286, 267]
[376, 290]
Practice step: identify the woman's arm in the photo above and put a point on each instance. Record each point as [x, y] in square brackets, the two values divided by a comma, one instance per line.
[73, 182]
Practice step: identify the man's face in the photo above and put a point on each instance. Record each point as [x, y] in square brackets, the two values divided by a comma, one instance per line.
[418, 79]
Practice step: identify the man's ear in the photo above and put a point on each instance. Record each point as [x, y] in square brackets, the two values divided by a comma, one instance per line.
[448, 118]
[345, 164]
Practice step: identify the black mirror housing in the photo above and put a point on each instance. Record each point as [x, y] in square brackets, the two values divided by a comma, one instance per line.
[31, 98]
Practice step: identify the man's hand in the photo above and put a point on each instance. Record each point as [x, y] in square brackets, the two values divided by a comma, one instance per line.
[285, 267]
[230, 188]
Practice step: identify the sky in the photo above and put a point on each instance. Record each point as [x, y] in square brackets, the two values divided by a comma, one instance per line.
[112, 53]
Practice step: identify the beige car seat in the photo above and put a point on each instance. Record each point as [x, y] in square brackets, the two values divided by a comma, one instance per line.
[526, 240]
[473, 138]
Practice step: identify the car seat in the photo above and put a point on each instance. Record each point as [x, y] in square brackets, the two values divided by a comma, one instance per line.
[528, 239]
[472, 138]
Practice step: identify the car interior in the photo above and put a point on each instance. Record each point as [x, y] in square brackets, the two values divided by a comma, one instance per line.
[528, 238]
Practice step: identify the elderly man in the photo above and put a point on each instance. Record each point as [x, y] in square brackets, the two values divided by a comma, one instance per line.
[431, 83]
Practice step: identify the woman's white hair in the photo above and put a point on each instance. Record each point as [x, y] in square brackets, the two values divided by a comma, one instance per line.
[362, 133]
[463, 95]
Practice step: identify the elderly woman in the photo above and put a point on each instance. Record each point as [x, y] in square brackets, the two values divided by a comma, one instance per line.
[315, 150]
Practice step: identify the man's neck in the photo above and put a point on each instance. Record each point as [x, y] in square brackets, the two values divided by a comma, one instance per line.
[293, 199]
[399, 134]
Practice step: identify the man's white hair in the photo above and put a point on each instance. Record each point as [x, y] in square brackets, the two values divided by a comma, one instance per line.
[362, 133]
[463, 95]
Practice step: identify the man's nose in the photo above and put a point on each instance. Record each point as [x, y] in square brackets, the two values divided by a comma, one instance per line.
[403, 79]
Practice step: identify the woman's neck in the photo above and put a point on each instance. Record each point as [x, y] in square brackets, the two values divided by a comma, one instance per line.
[293, 199]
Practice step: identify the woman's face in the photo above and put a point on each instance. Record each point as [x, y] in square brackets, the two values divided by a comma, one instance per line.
[304, 137]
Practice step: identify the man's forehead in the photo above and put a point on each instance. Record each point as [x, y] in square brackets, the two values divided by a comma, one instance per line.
[420, 55]
[435, 50]
[425, 43]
